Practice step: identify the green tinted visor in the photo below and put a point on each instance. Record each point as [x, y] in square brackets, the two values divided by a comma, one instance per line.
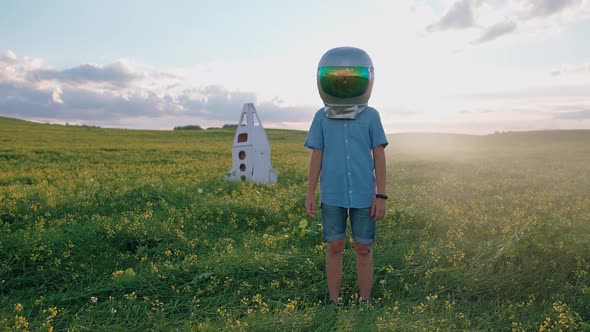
[344, 82]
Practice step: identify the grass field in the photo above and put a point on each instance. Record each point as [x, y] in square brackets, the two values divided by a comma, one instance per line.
[107, 230]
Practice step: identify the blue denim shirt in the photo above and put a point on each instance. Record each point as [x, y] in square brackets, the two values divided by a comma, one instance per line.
[347, 178]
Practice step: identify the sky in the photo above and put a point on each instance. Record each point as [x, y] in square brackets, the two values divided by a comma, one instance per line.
[460, 66]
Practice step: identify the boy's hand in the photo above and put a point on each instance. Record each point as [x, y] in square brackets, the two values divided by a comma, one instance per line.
[378, 209]
[310, 207]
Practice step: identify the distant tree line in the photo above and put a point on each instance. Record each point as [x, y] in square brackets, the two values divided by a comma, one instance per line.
[67, 124]
[189, 127]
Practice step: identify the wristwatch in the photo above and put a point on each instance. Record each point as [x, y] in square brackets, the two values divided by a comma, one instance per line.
[382, 196]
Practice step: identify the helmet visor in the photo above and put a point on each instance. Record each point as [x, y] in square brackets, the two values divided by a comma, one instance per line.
[344, 81]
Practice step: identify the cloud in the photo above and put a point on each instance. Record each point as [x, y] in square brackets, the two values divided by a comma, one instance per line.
[119, 73]
[545, 8]
[26, 101]
[577, 115]
[218, 103]
[476, 111]
[569, 69]
[459, 16]
[546, 93]
[275, 112]
[215, 102]
[119, 91]
[7, 56]
[496, 30]
[501, 18]
[76, 104]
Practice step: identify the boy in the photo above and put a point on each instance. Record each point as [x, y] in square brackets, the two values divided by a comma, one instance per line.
[347, 141]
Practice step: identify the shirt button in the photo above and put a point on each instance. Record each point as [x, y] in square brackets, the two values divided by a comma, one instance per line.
[348, 173]
[350, 191]
[347, 157]
[346, 125]
[345, 141]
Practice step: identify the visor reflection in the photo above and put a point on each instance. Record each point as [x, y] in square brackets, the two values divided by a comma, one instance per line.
[344, 82]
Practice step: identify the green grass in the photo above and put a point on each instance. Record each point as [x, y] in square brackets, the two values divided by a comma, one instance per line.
[107, 229]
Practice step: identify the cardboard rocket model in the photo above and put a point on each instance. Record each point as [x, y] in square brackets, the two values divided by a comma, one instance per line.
[251, 150]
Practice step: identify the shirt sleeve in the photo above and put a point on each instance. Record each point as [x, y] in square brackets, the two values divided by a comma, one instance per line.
[315, 136]
[377, 133]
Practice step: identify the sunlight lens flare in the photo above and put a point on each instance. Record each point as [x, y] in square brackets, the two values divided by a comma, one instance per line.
[344, 81]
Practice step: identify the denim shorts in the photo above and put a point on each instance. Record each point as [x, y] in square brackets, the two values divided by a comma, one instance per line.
[334, 223]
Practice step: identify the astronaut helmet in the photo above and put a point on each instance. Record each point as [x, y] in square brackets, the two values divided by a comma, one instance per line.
[345, 81]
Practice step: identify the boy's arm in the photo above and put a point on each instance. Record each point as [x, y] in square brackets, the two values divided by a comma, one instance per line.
[378, 208]
[315, 168]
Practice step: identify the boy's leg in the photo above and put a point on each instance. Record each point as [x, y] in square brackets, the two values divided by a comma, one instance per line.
[334, 268]
[363, 232]
[364, 269]
[334, 228]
